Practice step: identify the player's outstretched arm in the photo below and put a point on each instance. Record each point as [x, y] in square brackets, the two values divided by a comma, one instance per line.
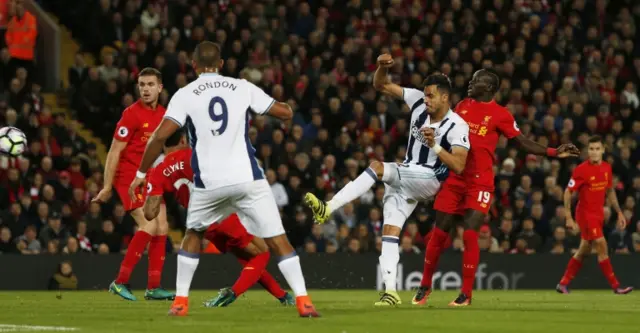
[152, 151]
[152, 207]
[282, 111]
[113, 157]
[381, 81]
[563, 151]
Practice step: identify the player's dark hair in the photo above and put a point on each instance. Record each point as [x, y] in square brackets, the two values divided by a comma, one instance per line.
[150, 71]
[174, 139]
[207, 54]
[492, 78]
[595, 139]
[439, 80]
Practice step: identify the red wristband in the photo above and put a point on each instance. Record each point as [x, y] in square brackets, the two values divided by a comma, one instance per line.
[552, 152]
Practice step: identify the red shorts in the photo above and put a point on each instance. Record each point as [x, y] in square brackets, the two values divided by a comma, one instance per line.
[228, 234]
[123, 192]
[590, 229]
[456, 196]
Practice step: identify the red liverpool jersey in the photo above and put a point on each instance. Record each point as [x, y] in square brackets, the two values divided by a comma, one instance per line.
[486, 122]
[135, 127]
[173, 174]
[591, 181]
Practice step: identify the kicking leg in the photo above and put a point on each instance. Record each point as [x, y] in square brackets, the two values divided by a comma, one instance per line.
[575, 263]
[188, 259]
[436, 245]
[141, 238]
[605, 266]
[353, 190]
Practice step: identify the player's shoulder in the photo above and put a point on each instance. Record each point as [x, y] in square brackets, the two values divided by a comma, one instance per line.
[178, 154]
[456, 119]
[606, 165]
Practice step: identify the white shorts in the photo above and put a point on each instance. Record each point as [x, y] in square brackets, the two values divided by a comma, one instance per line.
[252, 201]
[405, 186]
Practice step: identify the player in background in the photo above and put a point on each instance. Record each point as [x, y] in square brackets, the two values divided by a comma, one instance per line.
[438, 141]
[174, 175]
[592, 180]
[470, 194]
[227, 178]
[133, 131]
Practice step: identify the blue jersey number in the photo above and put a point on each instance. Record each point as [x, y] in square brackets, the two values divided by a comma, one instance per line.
[221, 118]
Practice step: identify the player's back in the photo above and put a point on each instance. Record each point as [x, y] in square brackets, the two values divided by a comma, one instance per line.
[173, 175]
[486, 122]
[214, 108]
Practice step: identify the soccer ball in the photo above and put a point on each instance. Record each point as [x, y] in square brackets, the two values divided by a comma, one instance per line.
[13, 142]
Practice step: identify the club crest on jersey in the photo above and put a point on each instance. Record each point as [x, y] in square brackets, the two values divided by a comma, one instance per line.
[123, 131]
[463, 112]
[486, 120]
[145, 125]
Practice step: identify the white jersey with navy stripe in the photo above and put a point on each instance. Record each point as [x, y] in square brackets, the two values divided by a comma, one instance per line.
[451, 131]
[215, 110]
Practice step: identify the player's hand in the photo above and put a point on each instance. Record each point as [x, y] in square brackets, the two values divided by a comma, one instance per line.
[429, 135]
[568, 150]
[571, 224]
[622, 221]
[103, 196]
[137, 183]
[385, 60]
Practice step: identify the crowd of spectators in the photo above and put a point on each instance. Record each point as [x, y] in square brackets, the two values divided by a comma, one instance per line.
[569, 69]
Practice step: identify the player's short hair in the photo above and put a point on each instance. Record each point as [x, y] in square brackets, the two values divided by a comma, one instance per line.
[439, 80]
[492, 78]
[595, 139]
[150, 71]
[175, 138]
[207, 54]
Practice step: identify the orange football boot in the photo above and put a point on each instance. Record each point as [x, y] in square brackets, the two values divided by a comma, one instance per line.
[305, 307]
[180, 307]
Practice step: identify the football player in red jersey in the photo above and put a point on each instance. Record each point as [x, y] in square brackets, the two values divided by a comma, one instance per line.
[137, 124]
[592, 180]
[174, 175]
[469, 195]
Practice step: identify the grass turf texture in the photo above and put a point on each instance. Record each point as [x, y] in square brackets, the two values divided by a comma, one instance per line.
[343, 312]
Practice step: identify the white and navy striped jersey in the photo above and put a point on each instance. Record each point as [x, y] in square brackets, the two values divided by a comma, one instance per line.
[451, 131]
[215, 110]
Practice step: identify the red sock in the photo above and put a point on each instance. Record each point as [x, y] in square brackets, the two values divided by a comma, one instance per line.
[470, 260]
[157, 252]
[572, 270]
[435, 246]
[607, 270]
[253, 269]
[268, 282]
[134, 253]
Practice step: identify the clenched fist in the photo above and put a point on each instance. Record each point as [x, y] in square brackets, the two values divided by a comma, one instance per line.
[385, 60]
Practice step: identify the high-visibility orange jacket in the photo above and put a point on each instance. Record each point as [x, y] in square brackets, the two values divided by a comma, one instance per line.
[21, 36]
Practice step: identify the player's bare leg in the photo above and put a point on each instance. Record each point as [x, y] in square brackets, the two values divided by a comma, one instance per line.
[157, 253]
[254, 257]
[353, 190]
[604, 262]
[289, 264]
[389, 258]
[188, 259]
[575, 263]
[436, 245]
[473, 219]
[141, 238]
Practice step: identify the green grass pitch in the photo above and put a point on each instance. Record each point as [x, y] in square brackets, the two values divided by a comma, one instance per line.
[343, 312]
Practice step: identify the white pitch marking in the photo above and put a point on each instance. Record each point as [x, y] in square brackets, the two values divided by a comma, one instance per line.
[31, 328]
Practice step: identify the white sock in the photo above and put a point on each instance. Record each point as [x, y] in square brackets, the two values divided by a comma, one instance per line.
[389, 259]
[187, 264]
[290, 268]
[353, 190]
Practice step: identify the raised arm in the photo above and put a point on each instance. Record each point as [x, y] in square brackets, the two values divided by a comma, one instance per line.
[381, 81]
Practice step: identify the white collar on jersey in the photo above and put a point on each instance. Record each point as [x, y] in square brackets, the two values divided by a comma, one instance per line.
[209, 74]
[428, 122]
